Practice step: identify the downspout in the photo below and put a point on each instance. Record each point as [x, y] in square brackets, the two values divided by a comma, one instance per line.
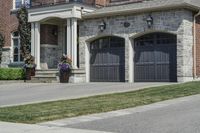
[194, 46]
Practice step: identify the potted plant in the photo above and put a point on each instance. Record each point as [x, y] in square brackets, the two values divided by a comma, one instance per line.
[29, 67]
[64, 69]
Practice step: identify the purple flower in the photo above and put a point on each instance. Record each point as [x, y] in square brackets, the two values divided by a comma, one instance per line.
[64, 67]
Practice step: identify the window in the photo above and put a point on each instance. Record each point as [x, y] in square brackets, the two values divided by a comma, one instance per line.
[17, 56]
[18, 3]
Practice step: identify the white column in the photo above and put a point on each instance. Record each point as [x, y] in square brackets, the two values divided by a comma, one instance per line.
[74, 42]
[87, 62]
[37, 45]
[131, 63]
[69, 43]
[33, 39]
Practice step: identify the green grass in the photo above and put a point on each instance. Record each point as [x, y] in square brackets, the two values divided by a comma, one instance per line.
[41, 112]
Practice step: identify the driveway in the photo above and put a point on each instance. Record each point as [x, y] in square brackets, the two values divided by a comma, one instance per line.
[24, 93]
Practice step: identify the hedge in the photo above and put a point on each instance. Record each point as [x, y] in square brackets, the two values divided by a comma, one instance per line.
[11, 74]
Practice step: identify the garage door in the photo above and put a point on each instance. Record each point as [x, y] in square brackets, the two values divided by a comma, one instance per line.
[155, 58]
[107, 60]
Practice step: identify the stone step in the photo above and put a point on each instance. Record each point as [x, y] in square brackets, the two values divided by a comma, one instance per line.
[45, 76]
[46, 72]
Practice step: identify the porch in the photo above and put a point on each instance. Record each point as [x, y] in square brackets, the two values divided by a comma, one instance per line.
[54, 32]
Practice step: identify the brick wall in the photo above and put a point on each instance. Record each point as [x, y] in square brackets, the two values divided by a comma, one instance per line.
[102, 2]
[8, 22]
[198, 45]
[49, 34]
[90, 2]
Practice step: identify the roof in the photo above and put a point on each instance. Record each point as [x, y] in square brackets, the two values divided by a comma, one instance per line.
[147, 5]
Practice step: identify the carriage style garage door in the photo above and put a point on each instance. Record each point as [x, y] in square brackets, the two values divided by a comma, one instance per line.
[155, 58]
[107, 60]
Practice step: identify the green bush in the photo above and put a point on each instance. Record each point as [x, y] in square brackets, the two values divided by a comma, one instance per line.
[11, 74]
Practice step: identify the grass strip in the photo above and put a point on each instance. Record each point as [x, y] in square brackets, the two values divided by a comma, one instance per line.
[41, 112]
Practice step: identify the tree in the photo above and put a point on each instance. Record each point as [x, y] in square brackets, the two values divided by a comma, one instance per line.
[24, 29]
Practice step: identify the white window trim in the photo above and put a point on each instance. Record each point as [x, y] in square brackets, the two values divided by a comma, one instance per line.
[12, 49]
[14, 4]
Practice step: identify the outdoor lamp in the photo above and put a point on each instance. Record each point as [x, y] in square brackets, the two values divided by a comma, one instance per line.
[102, 26]
[149, 21]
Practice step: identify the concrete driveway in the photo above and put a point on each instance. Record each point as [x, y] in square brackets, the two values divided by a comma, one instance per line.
[24, 93]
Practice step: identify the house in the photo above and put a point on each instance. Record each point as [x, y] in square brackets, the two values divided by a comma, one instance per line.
[8, 29]
[118, 40]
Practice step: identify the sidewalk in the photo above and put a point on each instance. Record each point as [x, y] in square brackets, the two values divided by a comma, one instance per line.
[26, 128]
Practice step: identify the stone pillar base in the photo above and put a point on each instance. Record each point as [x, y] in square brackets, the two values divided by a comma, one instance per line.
[77, 76]
[185, 79]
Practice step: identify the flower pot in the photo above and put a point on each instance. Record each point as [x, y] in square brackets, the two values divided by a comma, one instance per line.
[29, 72]
[64, 76]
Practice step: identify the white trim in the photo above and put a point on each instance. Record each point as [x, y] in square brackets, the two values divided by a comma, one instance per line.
[87, 62]
[131, 61]
[14, 4]
[64, 11]
[37, 44]
[12, 48]
[74, 43]
[69, 49]
[33, 39]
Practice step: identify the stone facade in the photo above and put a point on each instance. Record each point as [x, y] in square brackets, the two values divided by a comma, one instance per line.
[6, 57]
[179, 22]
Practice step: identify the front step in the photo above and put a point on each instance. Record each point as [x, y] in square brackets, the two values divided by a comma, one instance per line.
[45, 76]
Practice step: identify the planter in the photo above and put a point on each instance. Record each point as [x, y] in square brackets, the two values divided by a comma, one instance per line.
[64, 76]
[29, 72]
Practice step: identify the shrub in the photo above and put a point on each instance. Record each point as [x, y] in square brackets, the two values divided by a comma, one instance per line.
[11, 74]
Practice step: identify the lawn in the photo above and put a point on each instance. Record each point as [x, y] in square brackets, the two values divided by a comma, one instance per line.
[41, 112]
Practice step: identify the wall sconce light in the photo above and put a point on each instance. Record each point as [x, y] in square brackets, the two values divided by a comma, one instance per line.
[149, 21]
[126, 24]
[102, 26]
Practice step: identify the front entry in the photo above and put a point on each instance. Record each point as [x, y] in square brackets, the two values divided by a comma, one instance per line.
[107, 60]
[155, 58]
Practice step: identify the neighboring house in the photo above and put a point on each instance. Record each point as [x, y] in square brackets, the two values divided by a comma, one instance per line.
[8, 28]
[118, 40]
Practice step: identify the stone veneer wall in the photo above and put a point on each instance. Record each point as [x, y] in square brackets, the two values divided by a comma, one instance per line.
[179, 22]
[6, 59]
[50, 54]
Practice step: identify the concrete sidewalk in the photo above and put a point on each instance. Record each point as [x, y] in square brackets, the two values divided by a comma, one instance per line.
[25, 128]
[25, 93]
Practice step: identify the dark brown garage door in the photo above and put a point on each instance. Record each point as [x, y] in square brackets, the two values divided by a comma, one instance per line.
[107, 60]
[155, 58]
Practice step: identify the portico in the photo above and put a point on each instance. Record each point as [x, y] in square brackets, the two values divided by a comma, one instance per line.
[54, 32]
